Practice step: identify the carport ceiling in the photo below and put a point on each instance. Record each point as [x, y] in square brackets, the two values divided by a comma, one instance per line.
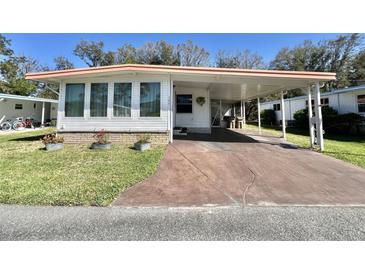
[226, 91]
[244, 87]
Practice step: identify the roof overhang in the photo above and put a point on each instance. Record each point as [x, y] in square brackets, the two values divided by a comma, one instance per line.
[26, 98]
[246, 83]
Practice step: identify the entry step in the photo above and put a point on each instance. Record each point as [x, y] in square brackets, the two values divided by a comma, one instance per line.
[180, 131]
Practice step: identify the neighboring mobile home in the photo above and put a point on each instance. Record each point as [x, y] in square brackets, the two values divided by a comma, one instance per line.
[127, 100]
[342, 100]
[39, 109]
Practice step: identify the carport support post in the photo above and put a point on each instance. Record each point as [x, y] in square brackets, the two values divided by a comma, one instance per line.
[310, 117]
[42, 120]
[283, 123]
[220, 112]
[244, 114]
[318, 111]
[241, 109]
[259, 113]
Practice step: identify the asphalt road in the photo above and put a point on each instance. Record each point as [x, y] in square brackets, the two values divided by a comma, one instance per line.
[216, 223]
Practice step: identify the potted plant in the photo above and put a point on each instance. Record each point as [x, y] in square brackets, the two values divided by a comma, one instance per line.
[143, 143]
[52, 142]
[102, 141]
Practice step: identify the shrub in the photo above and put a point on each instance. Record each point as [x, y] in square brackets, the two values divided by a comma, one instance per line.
[101, 137]
[332, 121]
[52, 139]
[329, 116]
[347, 123]
[301, 118]
[268, 117]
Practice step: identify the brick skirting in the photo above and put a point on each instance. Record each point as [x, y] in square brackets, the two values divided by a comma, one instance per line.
[125, 138]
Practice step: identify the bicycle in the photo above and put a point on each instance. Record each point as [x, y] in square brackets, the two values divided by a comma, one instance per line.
[19, 122]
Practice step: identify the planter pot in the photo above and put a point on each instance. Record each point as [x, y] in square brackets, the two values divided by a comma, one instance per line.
[51, 147]
[101, 146]
[142, 146]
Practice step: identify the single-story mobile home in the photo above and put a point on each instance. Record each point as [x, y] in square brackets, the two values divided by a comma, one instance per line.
[40, 110]
[127, 100]
[345, 100]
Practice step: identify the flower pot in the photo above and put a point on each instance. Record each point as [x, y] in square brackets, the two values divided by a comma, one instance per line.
[101, 146]
[51, 147]
[142, 146]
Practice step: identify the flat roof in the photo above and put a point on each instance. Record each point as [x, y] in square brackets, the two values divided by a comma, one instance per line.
[27, 98]
[322, 76]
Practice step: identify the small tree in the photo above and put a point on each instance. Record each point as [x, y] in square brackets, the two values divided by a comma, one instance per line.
[301, 118]
[268, 117]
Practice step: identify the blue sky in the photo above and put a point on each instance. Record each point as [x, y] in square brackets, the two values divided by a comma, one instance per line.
[45, 47]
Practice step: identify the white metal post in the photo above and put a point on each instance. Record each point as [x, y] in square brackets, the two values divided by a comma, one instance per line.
[310, 117]
[283, 122]
[318, 112]
[259, 113]
[172, 96]
[42, 119]
[220, 111]
[241, 109]
[244, 114]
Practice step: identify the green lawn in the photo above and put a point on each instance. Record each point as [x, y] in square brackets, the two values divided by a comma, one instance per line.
[75, 175]
[344, 147]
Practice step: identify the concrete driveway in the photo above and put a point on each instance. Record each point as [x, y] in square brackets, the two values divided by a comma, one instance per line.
[229, 167]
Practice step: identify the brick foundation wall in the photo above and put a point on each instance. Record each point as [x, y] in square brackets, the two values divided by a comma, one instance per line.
[125, 138]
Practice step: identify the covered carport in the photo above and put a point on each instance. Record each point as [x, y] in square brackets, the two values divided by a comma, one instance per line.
[245, 85]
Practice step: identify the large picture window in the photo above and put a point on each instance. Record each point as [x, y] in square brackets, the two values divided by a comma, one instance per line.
[150, 100]
[122, 99]
[184, 103]
[99, 100]
[361, 103]
[74, 100]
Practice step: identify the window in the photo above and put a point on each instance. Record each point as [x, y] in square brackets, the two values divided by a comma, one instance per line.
[34, 105]
[150, 100]
[74, 101]
[276, 107]
[361, 103]
[18, 106]
[98, 99]
[324, 102]
[184, 103]
[122, 99]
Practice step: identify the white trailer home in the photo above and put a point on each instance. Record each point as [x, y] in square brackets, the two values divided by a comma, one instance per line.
[39, 109]
[127, 100]
[342, 100]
